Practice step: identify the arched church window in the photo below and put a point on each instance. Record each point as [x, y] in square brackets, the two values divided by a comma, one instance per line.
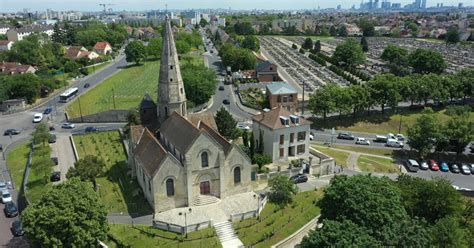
[171, 67]
[169, 187]
[237, 175]
[204, 160]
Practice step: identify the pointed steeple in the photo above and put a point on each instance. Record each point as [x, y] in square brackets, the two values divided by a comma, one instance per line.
[171, 95]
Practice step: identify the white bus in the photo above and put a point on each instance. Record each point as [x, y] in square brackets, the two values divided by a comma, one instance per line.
[68, 94]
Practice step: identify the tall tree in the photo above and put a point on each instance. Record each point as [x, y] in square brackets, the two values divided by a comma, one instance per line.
[424, 133]
[282, 190]
[426, 61]
[154, 47]
[459, 131]
[342, 31]
[384, 91]
[68, 215]
[453, 234]
[58, 35]
[333, 30]
[199, 82]
[251, 42]
[452, 35]
[349, 53]
[368, 27]
[87, 169]
[135, 52]
[322, 101]
[226, 124]
[364, 44]
[317, 46]
[307, 44]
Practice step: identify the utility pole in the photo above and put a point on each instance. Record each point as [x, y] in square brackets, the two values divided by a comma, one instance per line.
[113, 97]
[80, 108]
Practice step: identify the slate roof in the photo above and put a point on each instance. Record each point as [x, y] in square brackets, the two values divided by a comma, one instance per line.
[205, 117]
[147, 102]
[263, 65]
[226, 145]
[271, 119]
[179, 132]
[149, 153]
[277, 88]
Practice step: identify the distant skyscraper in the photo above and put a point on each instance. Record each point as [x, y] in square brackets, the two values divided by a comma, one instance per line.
[417, 4]
[338, 7]
[423, 4]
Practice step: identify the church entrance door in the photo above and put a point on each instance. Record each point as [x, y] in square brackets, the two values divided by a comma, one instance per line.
[205, 188]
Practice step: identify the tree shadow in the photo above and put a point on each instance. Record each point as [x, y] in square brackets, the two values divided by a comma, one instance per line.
[136, 203]
[130, 66]
[18, 242]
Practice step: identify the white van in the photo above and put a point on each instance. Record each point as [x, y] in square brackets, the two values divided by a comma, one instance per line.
[394, 143]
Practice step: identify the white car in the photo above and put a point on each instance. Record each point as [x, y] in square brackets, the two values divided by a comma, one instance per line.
[38, 117]
[68, 125]
[6, 196]
[311, 137]
[362, 141]
[424, 165]
[243, 127]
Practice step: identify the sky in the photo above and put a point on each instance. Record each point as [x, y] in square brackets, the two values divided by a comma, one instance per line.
[134, 5]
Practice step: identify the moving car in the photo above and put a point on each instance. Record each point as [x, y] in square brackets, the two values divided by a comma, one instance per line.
[221, 88]
[433, 165]
[424, 165]
[243, 127]
[394, 143]
[6, 196]
[86, 85]
[300, 178]
[17, 228]
[443, 166]
[465, 169]
[412, 165]
[56, 176]
[10, 209]
[68, 125]
[91, 129]
[346, 136]
[47, 111]
[12, 131]
[454, 168]
[362, 141]
[37, 118]
[226, 102]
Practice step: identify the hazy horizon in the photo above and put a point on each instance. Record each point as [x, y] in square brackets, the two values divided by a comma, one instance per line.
[139, 5]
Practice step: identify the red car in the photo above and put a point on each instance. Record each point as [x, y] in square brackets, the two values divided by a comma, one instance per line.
[433, 165]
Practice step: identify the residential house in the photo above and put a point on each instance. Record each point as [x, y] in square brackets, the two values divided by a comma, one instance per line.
[15, 68]
[282, 94]
[103, 47]
[78, 52]
[4, 28]
[6, 45]
[283, 135]
[353, 30]
[16, 34]
[267, 71]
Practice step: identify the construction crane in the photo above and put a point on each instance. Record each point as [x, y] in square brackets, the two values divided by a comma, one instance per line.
[105, 6]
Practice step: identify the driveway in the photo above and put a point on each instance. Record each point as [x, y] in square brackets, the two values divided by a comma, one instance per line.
[62, 149]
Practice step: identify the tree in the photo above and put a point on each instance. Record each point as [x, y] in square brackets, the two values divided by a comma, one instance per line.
[452, 35]
[199, 82]
[453, 234]
[322, 100]
[135, 52]
[349, 53]
[282, 190]
[359, 98]
[384, 91]
[333, 31]
[252, 147]
[58, 35]
[182, 47]
[237, 58]
[364, 44]
[154, 47]
[459, 131]
[294, 46]
[317, 46]
[68, 215]
[203, 22]
[41, 134]
[395, 54]
[226, 124]
[261, 160]
[251, 42]
[71, 66]
[342, 31]
[339, 234]
[372, 203]
[426, 61]
[87, 169]
[307, 44]
[423, 133]
[368, 27]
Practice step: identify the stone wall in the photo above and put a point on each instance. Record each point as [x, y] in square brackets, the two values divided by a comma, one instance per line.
[111, 116]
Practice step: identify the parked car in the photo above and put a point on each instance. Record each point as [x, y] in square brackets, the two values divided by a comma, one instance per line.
[3, 186]
[465, 169]
[47, 111]
[454, 168]
[362, 141]
[471, 167]
[56, 176]
[6, 196]
[86, 85]
[52, 138]
[68, 125]
[55, 160]
[91, 129]
[400, 137]
[52, 128]
[433, 165]
[424, 165]
[243, 127]
[346, 136]
[17, 228]
[221, 88]
[443, 166]
[226, 102]
[12, 131]
[10, 209]
[37, 118]
[412, 165]
[311, 136]
[300, 178]
[394, 143]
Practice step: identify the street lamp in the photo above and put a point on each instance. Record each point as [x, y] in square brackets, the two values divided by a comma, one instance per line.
[186, 221]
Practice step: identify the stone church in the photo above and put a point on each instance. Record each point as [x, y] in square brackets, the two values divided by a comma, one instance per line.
[180, 159]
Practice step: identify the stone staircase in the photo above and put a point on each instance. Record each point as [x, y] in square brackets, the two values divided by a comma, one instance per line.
[227, 236]
[205, 200]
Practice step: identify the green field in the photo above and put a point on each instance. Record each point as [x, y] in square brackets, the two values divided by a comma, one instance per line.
[38, 182]
[118, 192]
[277, 223]
[146, 236]
[375, 164]
[339, 156]
[16, 162]
[364, 149]
[95, 68]
[377, 123]
[128, 86]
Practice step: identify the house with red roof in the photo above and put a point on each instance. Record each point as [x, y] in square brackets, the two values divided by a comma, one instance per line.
[103, 47]
[77, 52]
[6, 45]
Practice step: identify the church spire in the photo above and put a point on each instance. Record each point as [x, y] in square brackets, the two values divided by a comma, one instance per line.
[171, 95]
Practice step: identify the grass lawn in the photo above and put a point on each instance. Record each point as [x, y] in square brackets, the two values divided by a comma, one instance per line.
[117, 190]
[278, 223]
[374, 164]
[377, 123]
[340, 157]
[128, 86]
[38, 181]
[364, 149]
[146, 236]
[94, 68]
[16, 162]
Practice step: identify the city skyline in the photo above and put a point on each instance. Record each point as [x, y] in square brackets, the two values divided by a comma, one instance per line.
[93, 5]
